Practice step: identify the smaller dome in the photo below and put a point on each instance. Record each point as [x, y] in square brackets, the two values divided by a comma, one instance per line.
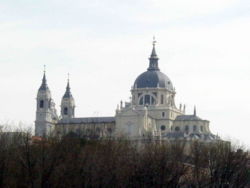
[153, 79]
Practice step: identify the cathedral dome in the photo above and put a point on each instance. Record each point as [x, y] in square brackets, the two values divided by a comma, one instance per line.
[153, 77]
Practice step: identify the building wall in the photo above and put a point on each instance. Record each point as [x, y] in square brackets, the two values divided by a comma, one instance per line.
[202, 126]
[86, 129]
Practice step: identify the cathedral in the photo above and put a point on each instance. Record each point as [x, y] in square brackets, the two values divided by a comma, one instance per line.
[150, 113]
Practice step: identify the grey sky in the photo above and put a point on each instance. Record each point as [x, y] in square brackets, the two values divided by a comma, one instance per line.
[203, 47]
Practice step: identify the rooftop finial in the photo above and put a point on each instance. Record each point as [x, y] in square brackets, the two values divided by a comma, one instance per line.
[194, 110]
[154, 41]
[153, 60]
[67, 93]
[68, 77]
[44, 81]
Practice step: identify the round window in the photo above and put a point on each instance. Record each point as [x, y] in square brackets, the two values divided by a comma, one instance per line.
[163, 128]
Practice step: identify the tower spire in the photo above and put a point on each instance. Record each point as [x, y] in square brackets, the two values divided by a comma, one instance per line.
[67, 92]
[194, 110]
[153, 60]
[44, 85]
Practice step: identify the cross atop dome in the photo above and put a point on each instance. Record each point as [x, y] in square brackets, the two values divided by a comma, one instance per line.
[154, 41]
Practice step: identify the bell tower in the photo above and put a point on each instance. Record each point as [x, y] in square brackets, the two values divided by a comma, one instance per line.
[46, 115]
[67, 104]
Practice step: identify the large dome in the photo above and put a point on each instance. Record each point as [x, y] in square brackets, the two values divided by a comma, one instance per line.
[153, 79]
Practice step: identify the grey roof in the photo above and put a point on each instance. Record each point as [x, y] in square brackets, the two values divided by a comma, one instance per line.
[188, 118]
[87, 120]
[153, 77]
[67, 93]
[44, 85]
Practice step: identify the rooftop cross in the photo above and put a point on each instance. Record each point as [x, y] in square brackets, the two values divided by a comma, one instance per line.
[44, 68]
[154, 41]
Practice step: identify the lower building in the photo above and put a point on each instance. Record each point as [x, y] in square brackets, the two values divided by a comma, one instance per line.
[152, 112]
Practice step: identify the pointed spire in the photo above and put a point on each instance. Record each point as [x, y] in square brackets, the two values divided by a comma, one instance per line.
[194, 110]
[153, 60]
[44, 85]
[67, 94]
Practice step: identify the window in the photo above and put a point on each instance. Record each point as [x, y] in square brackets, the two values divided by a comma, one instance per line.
[152, 100]
[141, 101]
[177, 128]
[163, 114]
[147, 99]
[194, 128]
[187, 128]
[65, 111]
[109, 130]
[162, 99]
[163, 128]
[41, 104]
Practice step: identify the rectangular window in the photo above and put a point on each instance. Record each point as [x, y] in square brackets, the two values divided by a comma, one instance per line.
[65, 111]
[163, 114]
[41, 104]
[147, 99]
[162, 99]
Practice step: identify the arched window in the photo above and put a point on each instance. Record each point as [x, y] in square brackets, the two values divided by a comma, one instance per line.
[194, 128]
[163, 128]
[41, 104]
[147, 100]
[177, 128]
[65, 111]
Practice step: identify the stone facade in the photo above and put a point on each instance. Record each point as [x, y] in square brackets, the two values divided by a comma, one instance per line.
[150, 113]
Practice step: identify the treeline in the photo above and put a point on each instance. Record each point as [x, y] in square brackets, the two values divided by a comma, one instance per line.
[78, 162]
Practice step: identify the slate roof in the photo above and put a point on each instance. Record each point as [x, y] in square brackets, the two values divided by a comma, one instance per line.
[44, 85]
[153, 77]
[87, 120]
[188, 118]
[67, 94]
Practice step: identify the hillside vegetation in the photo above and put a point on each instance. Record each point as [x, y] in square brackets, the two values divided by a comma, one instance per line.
[79, 162]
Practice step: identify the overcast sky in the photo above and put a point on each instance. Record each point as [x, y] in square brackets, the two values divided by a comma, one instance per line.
[203, 46]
